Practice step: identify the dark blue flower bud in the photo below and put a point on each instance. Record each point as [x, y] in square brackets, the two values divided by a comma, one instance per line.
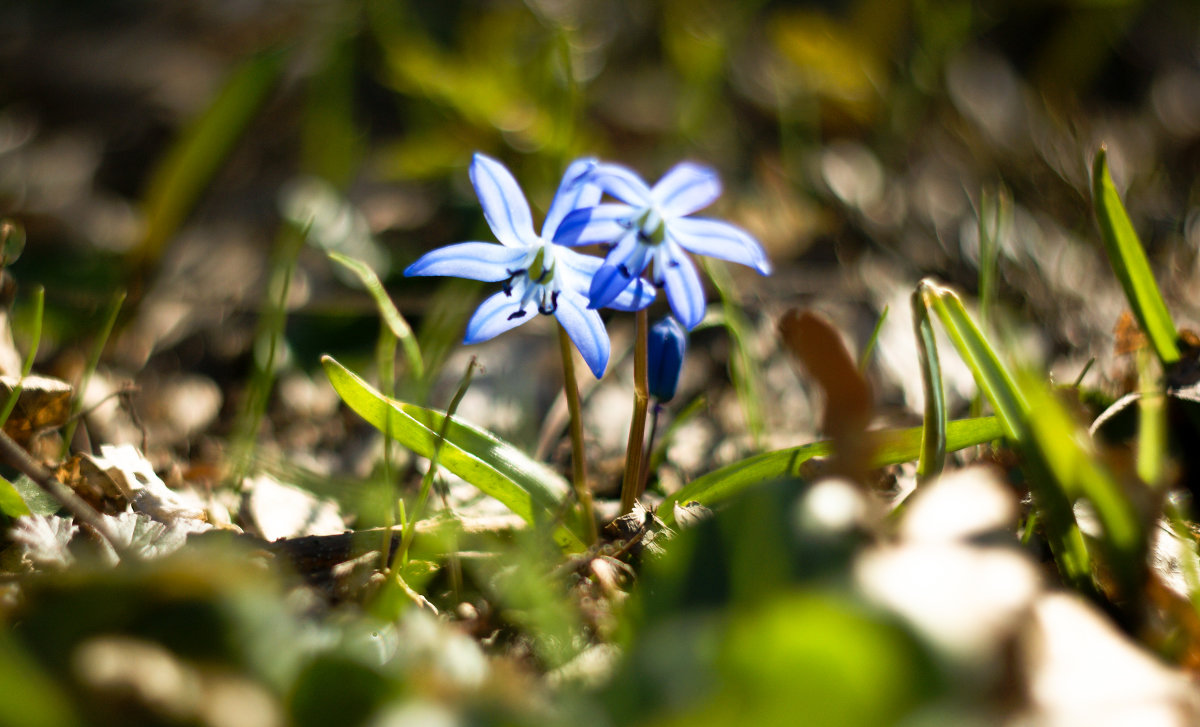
[666, 345]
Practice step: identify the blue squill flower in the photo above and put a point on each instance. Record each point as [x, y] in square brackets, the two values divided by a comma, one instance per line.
[652, 229]
[540, 275]
[666, 344]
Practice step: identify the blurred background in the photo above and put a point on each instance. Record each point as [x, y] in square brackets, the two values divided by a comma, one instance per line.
[166, 149]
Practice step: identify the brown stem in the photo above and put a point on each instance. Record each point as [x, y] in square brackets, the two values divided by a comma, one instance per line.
[578, 463]
[15, 455]
[631, 487]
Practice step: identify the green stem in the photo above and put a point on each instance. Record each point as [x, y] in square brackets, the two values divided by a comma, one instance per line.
[630, 487]
[578, 462]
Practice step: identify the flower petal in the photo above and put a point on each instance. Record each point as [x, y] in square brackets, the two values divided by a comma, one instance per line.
[585, 329]
[684, 291]
[582, 269]
[623, 184]
[497, 314]
[503, 202]
[576, 191]
[601, 223]
[485, 261]
[624, 261]
[720, 240]
[686, 188]
[637, 295]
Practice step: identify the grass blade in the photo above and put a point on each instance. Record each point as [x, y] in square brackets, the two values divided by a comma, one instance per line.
[1129, 262]
[193, 160]
[497, 468]
[933, 432]
[39, 307]
[387, 309]
[865, 357]
[889, 447]
[1012, 408]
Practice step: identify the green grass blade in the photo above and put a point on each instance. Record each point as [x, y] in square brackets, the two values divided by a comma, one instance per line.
[981, 359]
[1081, 475]
[498, 469]
[742, 366]
[39, 308]
[1062, 532]
[1129, 262]
[890, 447]
[106, 329]
[865, 357]
[195, 158]
[933, 433]
[1152, 424]
[387, 309]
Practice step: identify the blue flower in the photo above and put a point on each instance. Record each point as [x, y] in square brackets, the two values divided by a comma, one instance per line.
[540, 275]
[666, 344]
[652, 227]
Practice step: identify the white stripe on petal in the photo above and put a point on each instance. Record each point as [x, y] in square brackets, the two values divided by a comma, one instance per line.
[497, 314]
[686, 188]
[684, 292]
[720, 240]
[484, 261]
[503, 202]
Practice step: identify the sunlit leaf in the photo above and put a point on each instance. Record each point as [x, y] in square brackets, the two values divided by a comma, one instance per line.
[933, 433]
[1129, 262]
[497, 468]
[11, 503]
[890, 447]
[387, 309]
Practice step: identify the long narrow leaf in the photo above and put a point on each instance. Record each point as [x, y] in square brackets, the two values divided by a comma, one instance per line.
[197, 155]
[387, 310]
[890, 447]
[1056, 505]
[1129, 262]
[977, 353]
[933, 433]
[497, 468]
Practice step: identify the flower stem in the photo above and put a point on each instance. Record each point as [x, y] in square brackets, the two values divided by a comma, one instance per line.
[631, 487]
[578, 463]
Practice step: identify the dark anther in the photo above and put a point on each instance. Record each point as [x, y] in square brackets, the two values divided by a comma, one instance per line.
[508, 289]
[624, 271]
[673, 264]
[518, 271]
[643, 236]
[518, 314]
[549, 310]
[542, 278]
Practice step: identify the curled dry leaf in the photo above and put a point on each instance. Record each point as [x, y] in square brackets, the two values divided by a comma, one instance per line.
[44, 403]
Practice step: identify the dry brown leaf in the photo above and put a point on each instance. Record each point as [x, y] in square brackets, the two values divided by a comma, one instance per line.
[44, 403]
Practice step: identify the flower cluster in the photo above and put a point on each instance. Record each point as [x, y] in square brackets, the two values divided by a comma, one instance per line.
[648, 231]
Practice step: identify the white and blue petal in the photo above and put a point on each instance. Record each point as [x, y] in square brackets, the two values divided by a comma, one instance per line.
[686, 188]
[603, 223]
[503, 202]
[623, 184]
[684, 291]
[499, 313]
[580, 269]
[484, 261]
[585, 329]
[720, 240]
[576, 191]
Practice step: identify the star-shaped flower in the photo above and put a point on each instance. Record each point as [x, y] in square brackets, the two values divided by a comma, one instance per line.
[540, 275]
[652, 228]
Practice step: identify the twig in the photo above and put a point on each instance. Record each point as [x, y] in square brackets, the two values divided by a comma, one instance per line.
[15, 455]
